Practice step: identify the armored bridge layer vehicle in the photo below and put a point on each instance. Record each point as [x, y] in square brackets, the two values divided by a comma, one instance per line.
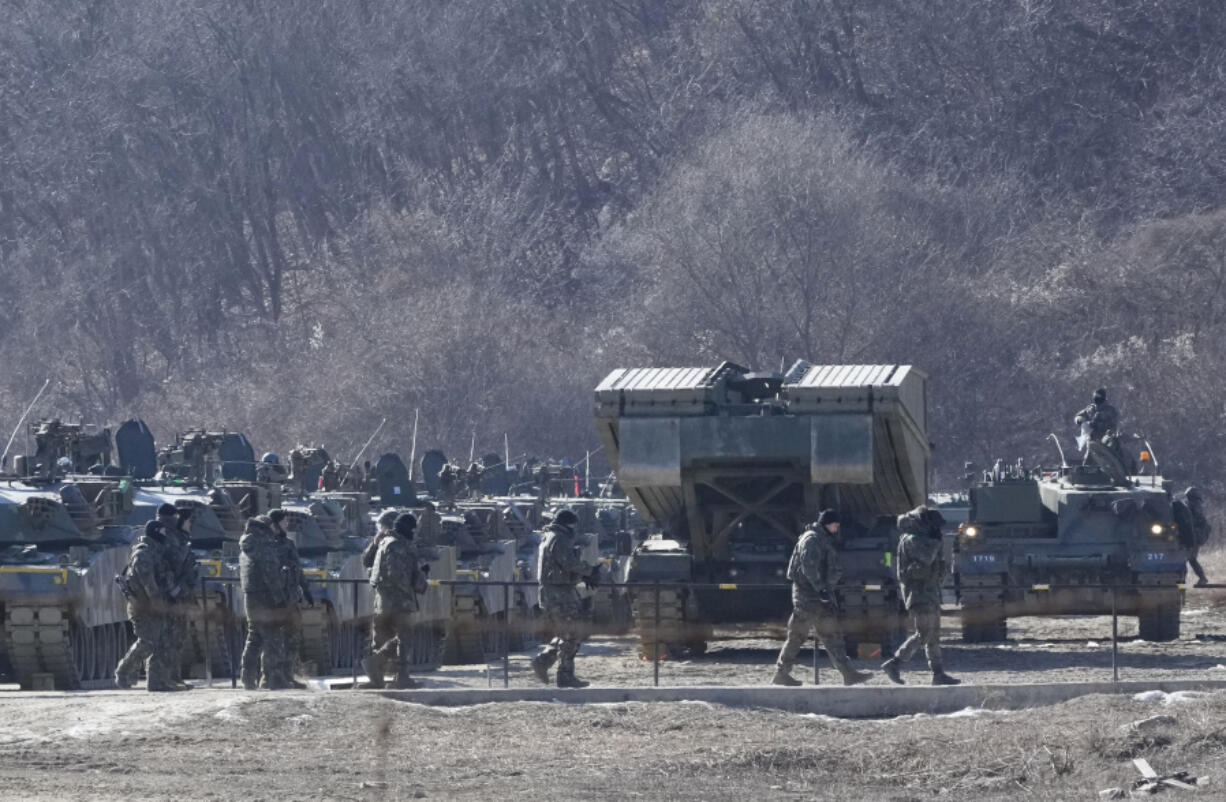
[1067, 542]
[732, 465]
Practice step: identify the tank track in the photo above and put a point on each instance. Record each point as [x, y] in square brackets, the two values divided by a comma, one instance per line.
[316, 654]
[43, 640]
[669, 639]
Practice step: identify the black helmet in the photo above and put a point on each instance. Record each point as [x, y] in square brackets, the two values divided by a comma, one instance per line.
[277, 515]
[827, 516]
[1193, 494]
[388, 518]
[1100, 396]
[153, 529]
[168, 510]
[406, 523]
[566, 517]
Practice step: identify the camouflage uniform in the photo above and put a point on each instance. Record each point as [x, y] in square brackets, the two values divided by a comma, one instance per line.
[815, 574]
[397, 579]
[1194, 529]
[185, 574]
[146, 588]
[296, 590]
[560, 571]
[266, 596]
[1102, 417]
[921, 568]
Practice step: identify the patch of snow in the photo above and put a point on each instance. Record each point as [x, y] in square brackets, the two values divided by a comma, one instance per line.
[1178, 697]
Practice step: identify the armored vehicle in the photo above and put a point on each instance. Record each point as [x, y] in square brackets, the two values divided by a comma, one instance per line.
[732, 465]
[1067, 542]
[65, 621]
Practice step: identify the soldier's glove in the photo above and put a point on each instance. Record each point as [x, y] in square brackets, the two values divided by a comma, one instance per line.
[591, 581]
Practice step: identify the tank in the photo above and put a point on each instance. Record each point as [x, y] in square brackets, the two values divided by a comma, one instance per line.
[1044, 543]
[731, 465]
[65, 621]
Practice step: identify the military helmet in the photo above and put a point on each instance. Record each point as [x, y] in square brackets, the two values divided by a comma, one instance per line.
[271, 459]
[1100, 395]
[167, 509]
[566, 517]
[277, 515]
[388, 518]
[406, 523]
[1193, 494]
[912, 521]
[827, 516]
[153, 529]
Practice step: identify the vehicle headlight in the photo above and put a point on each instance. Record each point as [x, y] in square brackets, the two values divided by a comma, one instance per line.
[733, 572]
[971, 531]
[1156, 529]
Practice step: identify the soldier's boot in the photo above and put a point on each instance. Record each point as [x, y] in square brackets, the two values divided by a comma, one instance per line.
[541, 665]
[567, 679]
[403, 680]
[374, 671]
[1202, 582]
[122, 681]
[939, 677]
[891, 669]
[783, 676]
[853, 677]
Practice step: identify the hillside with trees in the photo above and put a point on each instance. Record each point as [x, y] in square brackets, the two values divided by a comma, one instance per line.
[297, 218]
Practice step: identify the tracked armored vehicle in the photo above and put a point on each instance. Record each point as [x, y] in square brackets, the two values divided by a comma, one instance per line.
[65, 621]
[1066, 542]
[731, 465]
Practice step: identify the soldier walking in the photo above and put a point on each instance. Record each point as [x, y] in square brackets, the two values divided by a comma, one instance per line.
[920, 569]
[560, 572]
[297, 590]
[387, 519]
[185, 575]
[1194, 529]
[397, 579]
[815, 574]
[266, 597]
[145, 582]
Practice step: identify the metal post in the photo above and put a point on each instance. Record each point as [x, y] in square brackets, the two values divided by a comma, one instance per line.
[230, 622]
[506, 634]
[655, 652]
[357, 636]
[204, 620]
[817, 675]
[1115, 639]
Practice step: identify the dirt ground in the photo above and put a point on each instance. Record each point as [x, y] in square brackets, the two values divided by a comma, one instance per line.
[224, 744]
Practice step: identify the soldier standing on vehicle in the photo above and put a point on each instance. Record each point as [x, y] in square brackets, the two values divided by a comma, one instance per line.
[266, 597]
[814, 573]
[397, 579]
[1101, 416]
[296, 589]
[561, 570]
[921, 568]
[1194, 529]
[145, 583]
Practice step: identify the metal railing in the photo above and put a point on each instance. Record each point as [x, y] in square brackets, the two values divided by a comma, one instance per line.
[656, 588]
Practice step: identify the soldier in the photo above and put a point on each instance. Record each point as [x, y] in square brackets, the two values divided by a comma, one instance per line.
[146, 585]
[266, 597]
[561, 570]
[814, 573]
[185, 573]
[397, 579]
[387, 520]
[447, 483]
[1194, 529]
[296, 590]
[1101, 416]
[920, 569]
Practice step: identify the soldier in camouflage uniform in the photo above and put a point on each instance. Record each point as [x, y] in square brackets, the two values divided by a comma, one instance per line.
[920, 569]
[266, 596]
[387, 519]
[1194, 529]
[146, 586]
[397, 579]
[1104, 425]
[814, 573]
[296, 589]
[185, 576]
[561, 570]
